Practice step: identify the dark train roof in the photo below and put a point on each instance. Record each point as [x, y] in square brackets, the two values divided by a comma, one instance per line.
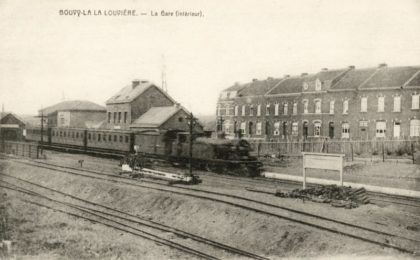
[214, 141]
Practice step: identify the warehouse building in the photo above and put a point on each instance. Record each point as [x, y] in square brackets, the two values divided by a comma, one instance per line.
[348, 103]
[74, 113]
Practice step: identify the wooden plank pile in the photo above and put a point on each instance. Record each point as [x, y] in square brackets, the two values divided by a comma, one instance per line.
[336, 196]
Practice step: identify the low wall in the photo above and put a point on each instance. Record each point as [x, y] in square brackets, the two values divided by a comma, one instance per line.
[25, 149]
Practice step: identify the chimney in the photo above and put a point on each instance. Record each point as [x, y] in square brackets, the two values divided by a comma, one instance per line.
[253, 80]
[304, 74]
[382, 65]
[324, 69]
[352, 67]
[270, 78]
[135, 83]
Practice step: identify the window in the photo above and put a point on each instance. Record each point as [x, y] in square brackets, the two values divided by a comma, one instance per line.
[65, 133]
[267, 110]
[285, 108]
[125, 117]
[305, 85]
[276, 128]
[104, 136]
[363, 123]
[317, 129]
[119, 117]
[109, 117]
[397, 104]
[243, 126]
[115, 117]
[243, 110]
[121, 138]
[89, 135]
[276, 109]
[345, 107]
[305, 106]
[363, 104]
[259, 126]
[318, 106]
[109, 138]
[295, 128]
[332, 107]
[251, 110]
[227, 127]
[381, 104]
[345, 130]
[227, 110]
[126, 139]
[99, 137]
[77, 135]
[236, 110]
[259, 110]
[414, 127]
[295, 108]
[380, 129]
[415, 101]
[318, 85]
[81, 135]
[218, 110]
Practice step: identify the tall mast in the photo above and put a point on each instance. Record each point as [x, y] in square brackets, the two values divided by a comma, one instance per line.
[164, 83]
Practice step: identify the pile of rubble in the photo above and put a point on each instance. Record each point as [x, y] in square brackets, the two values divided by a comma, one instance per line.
[337, 196]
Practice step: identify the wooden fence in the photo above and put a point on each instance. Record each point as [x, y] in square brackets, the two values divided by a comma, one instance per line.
[25, 149]
[349, 148]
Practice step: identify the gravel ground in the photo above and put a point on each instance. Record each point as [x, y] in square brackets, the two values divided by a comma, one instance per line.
[52, 235]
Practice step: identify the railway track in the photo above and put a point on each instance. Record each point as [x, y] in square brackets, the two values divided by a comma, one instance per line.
[373, 236]
[125, 220]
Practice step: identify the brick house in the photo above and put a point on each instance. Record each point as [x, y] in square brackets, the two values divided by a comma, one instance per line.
[348, 103]
[133, 101]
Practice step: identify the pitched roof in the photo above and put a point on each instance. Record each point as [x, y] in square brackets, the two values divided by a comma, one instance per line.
[289, 85]
[156, 116]
[258, 87]
[390, 77]
[130, 92]
[415, 81]
[73, 105]
[354, 78]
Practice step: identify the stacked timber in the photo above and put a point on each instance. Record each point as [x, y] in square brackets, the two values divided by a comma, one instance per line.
[336, 196]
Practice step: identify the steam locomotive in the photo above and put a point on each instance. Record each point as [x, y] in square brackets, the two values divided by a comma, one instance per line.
[216, 155]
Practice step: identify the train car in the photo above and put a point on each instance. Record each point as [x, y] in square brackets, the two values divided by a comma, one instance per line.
[111, 140]
[73, 137]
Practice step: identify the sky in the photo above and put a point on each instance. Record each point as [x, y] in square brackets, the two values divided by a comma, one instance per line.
[46, 57]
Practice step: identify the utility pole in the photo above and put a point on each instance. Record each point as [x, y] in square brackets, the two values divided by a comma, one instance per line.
[42, 130]
[191, 123]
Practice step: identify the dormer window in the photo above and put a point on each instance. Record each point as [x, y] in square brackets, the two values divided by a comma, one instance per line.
[318, 85]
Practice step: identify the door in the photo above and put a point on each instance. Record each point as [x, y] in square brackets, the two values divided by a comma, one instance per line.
[305, 130]
[397, 128]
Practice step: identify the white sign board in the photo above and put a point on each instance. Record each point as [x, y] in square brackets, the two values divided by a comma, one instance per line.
[325, 161]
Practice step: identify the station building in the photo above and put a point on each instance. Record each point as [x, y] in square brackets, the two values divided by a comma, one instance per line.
[143, 106]
[348, 103]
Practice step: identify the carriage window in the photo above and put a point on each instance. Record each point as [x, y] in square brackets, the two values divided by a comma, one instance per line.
[72, 134]
[81, 135]
[115, 138]
[65, 134]
[104, 138]
[77, 135]
[61, 133]
[99, 137]
[126, 139]
[121, 138]
[89, 136]
[110, 138]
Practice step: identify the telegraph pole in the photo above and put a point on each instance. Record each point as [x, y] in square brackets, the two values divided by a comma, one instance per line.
[191, 123]
[42, 130]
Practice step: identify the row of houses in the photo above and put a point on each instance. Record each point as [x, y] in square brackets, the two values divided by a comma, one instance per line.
[348, 103]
